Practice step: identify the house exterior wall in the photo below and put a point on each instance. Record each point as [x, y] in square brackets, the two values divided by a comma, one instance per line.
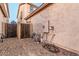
[3, 20]
[65, 19]
[23, 12]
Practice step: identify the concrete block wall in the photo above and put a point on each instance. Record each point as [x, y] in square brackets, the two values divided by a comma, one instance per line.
[65, 19]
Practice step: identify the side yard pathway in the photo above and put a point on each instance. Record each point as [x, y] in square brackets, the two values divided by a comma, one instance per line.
[25, 47]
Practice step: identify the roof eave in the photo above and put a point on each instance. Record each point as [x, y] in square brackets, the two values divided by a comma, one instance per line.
[4, 10]
[37, 10]
[8, 10]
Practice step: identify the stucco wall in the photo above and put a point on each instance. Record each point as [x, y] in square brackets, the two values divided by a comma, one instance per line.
[23, 11]
[65, 19]
[1, 18]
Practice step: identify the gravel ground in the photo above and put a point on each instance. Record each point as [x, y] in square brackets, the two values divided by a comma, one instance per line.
[27, 47]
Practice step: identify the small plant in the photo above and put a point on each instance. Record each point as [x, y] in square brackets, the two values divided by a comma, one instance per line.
[2, 37]
[36, 37]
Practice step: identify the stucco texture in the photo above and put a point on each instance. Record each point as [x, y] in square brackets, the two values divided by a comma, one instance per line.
[65, 19]
[1, 18]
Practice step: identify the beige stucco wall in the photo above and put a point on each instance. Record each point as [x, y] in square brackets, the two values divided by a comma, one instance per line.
[1, 18]
[23, 11]
[4, 21]
[65, 19]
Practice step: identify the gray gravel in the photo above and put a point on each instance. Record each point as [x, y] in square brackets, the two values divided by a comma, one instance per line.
[25, 47]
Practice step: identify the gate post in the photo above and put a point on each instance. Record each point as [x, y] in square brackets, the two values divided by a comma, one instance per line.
[19, 30]
[3, 28]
